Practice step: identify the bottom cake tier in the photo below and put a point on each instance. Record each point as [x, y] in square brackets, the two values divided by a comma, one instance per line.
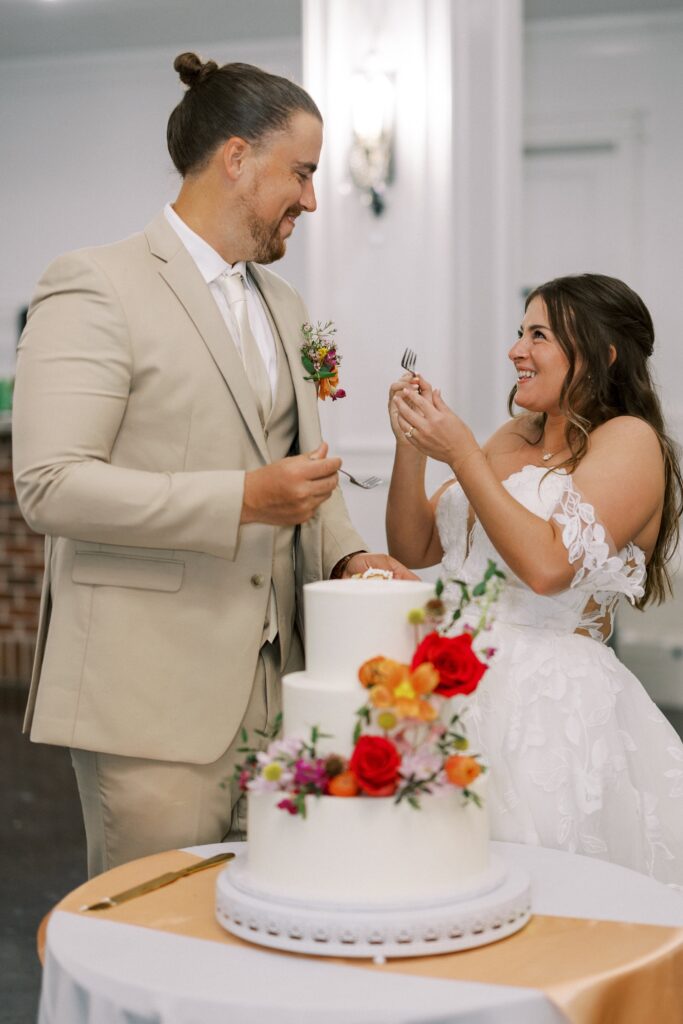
[367, 851]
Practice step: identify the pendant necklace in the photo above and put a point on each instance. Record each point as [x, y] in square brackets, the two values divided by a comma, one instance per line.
[547, 456]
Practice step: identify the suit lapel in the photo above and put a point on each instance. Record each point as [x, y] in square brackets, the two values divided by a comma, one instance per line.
[286, 317]
[182, 276]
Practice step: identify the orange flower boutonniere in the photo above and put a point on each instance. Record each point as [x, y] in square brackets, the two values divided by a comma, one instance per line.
[321, 359]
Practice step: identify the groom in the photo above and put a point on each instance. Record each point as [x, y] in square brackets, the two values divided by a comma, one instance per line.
[167, 444]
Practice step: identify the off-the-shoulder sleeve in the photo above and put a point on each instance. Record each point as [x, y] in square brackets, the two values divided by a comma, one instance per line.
[599, 567]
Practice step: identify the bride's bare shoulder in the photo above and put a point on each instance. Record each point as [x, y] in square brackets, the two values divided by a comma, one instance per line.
[629, 430]
[515, 433]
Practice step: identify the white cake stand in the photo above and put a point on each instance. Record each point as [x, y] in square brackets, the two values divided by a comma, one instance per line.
[500, 907]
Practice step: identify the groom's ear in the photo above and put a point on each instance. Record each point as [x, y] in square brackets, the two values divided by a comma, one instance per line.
[235, 157]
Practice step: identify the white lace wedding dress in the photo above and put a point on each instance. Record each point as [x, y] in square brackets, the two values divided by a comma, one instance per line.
[580, 758]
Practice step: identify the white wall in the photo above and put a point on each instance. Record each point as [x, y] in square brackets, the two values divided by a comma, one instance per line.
[619, 80]
[84, 157]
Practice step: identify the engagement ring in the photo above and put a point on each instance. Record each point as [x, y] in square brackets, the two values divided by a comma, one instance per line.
[409, 433]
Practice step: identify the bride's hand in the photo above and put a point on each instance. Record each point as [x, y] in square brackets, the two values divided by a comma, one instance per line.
[408, 380]
[427, 423]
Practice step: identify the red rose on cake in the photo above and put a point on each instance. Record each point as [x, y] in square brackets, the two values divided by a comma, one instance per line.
[375, 763]
[458, 666]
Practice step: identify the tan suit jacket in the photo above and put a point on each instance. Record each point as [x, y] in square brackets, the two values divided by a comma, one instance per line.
[134, 424]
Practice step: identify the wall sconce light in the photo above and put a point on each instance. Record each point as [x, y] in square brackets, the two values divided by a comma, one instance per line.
[372, 119]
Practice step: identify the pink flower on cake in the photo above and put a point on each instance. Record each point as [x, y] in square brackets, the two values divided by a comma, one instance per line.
[311, 773]
[423, 764]
[289, 806]
[286, 747]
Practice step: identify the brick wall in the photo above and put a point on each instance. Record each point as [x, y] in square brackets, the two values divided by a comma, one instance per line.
[21, 569]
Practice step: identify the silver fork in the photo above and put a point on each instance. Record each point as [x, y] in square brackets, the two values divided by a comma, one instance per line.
[367, 484]
[408, 360]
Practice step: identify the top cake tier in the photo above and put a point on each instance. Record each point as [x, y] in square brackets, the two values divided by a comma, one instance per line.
[349, 621]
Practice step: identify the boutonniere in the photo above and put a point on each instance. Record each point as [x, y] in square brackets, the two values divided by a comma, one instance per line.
[321, 359]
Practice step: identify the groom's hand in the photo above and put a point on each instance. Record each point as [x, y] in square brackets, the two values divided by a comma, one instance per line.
[289, 491]
[365, 560]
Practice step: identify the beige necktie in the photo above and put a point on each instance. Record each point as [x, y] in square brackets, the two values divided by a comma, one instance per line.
[232, 285]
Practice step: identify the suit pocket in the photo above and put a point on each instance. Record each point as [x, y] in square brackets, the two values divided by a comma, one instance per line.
[100, 569]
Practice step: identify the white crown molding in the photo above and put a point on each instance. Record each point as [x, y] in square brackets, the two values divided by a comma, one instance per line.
[263, 51]
[633, 23]
[584, 127]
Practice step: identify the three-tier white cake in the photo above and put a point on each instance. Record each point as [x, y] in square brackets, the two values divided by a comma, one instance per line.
[366, 855]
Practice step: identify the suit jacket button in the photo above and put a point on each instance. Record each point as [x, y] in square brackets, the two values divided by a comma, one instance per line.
[257, 580]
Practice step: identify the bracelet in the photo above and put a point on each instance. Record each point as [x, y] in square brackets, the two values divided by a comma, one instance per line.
[339, 568]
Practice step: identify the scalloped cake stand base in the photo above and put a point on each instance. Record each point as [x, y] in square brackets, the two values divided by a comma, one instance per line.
[374, 932]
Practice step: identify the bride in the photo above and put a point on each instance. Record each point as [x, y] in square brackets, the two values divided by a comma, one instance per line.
[577, 499]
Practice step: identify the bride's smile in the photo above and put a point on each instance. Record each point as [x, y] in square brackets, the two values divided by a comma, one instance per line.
[540, 364]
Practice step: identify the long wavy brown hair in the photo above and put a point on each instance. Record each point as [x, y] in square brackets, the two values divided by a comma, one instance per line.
[588, 314]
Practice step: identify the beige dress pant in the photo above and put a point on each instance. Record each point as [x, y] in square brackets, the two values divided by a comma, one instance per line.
[133, 807]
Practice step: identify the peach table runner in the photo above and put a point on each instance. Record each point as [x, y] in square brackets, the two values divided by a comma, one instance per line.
[594, 971]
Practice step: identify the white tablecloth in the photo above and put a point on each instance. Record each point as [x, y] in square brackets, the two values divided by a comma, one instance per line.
[102, 972]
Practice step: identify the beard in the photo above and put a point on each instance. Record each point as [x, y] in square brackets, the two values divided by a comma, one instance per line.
[268, 243]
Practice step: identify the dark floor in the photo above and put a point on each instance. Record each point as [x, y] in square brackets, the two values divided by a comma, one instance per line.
[42, 853]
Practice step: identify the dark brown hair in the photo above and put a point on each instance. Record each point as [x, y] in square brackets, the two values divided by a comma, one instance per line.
[236, 99]
[588, 314]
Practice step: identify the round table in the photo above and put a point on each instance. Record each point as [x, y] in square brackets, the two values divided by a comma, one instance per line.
[103, 971]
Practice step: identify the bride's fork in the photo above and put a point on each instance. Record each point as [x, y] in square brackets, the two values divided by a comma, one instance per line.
[367, 484]
[408, 360]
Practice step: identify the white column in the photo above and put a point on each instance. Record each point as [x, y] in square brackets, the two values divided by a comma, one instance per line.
[437, 271]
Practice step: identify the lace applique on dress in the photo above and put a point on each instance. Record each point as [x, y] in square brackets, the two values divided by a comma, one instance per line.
[451, 520]
[601, 572]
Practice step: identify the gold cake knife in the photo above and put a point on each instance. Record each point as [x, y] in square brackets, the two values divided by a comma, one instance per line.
[156, 883]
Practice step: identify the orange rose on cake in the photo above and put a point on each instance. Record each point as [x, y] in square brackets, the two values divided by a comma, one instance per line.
[461, 770]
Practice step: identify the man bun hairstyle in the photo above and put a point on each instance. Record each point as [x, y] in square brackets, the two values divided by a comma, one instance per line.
[191, 69]
[220, 102]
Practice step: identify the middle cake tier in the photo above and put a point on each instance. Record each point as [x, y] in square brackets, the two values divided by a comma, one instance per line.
[307, 702]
